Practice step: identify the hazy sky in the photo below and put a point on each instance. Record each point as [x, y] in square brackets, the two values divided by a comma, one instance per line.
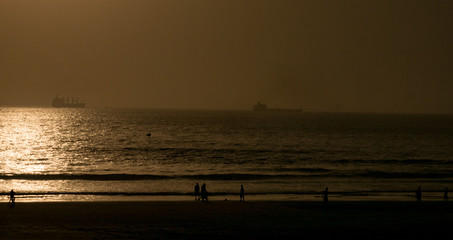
[349, 55]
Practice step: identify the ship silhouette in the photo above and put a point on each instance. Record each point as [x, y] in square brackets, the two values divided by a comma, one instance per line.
[59, 102]
[261, 107]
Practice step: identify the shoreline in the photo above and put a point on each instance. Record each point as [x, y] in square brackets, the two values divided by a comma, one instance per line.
[225, 220]
[397, 196]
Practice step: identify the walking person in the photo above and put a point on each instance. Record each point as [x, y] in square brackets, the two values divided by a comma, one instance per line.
[241, 194]
[418, 195]
[204, 193]
[197, 192]
[325, 195]
[12, 199]
[446, 195]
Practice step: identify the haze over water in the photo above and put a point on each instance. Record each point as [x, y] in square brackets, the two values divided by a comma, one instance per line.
[325, 55]
[93, 154]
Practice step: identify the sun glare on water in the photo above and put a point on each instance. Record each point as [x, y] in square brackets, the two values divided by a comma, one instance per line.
[27, 148]
[23, 137]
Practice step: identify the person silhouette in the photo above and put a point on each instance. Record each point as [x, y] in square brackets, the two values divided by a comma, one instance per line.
[204, 193]
[12, 199]
[325, 195]
[241, 195]
[197, 192]
[446, 195]
[418, 195]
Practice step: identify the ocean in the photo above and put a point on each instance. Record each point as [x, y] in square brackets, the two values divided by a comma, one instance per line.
[95, 154]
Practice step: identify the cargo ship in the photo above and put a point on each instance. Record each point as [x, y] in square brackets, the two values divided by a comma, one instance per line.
[261, 107]
[59, 102]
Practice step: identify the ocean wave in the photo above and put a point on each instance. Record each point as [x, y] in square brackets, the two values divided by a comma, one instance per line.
[309, 173]
[213, 150]
[132, 177]
[394, 161]
[92, 177]
[307, 170]
[258, 155]
[411, 175]
[284, 192]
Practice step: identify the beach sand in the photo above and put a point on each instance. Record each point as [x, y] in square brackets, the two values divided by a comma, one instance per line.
[226, 220]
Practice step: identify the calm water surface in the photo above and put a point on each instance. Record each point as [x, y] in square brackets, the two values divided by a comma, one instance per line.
[106, 154]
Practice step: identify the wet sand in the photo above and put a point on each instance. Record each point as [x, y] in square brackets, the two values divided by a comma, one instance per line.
[226, 220]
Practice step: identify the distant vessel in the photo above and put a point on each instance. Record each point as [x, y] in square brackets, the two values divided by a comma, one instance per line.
[261, 107]
[66, 103]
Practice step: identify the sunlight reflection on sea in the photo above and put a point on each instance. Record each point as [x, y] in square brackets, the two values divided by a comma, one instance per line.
[107, 153]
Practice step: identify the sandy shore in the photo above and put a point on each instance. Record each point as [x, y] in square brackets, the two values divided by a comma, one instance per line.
[225, 220]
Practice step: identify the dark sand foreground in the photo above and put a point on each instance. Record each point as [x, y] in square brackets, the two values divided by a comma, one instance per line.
[226, 220]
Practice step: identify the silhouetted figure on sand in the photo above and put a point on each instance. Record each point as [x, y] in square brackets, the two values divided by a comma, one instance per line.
[12, 199]
[204, 193]
[325, 195]
[418, 195]
[446, 195]
[197, 192]
[241, 195]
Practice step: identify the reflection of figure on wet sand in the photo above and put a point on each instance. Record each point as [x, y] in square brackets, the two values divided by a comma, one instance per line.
[418, 195]
[325, 195]
[446, 195]
[197, 192]
[204, 193]
[241, 195]
[12, 199]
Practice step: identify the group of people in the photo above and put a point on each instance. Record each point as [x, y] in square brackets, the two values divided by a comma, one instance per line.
[203, 194]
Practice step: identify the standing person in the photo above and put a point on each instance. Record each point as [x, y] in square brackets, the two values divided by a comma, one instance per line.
[12, 199]
[418, 195]
[204, 193]
[446, 195]
[241, 195]
[325, 195]
[197, 192]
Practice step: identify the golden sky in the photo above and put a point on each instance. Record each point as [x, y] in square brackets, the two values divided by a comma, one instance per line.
[348, 55]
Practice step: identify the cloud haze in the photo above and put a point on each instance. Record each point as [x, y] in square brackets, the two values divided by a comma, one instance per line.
[385, 56]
